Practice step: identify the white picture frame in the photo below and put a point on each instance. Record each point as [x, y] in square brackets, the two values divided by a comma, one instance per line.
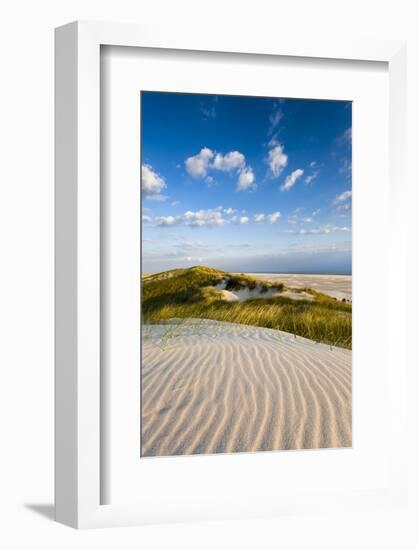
[78, 405]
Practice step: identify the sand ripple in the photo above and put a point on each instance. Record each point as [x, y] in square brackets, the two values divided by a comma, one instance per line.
[211, 387]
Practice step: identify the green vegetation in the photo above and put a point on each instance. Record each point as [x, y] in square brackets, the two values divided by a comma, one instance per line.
[189, 293]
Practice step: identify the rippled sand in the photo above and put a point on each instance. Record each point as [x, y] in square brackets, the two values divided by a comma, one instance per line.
[211, 387]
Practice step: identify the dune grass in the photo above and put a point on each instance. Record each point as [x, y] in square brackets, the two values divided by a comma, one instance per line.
[189, 293]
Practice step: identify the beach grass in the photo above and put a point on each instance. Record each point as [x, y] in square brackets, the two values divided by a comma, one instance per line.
[190, 293]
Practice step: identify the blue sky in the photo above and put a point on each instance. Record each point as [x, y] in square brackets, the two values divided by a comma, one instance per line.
[245, 183]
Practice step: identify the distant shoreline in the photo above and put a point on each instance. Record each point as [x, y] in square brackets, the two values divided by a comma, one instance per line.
[324, 274]
[296, 273]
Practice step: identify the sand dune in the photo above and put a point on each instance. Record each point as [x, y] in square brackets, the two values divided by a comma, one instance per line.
[338, 286]
[211, 387]
[247, 293]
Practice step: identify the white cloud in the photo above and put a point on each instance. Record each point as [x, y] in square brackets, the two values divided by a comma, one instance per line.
[291, 179]
[307, 220]
[272, 218]
[229, 211]
[201, 218]
[315, 212]
[231, 161]
[197, 165]
[152, 183]
[146, 219]
[277, 160]
[239, 220]
[342, 197]
[175, 203]
[246, 179]
[168, 220]
[309, 179]
[273, 141]
[312, 164]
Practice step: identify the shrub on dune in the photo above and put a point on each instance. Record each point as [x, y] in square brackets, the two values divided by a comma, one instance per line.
[190, 293]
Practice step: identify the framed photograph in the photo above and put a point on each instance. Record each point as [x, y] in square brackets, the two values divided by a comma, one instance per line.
[230, 334]
[246, 310]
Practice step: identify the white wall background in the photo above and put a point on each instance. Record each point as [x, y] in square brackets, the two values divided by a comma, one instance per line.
[26, 272]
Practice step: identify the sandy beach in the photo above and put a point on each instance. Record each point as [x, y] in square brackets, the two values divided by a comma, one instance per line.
[214, 387]
[338, 286]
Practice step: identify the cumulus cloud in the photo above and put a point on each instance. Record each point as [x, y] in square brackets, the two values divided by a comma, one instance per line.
[197, 165]
[168, 220]
[208, 218]
[346, 195]
[277, 160]
[152, 183]
[246, 179]
[229, 211]
[239, 220]
[200, 218]
[291, 179]
[272, 218]
[146, 219]
[231, 161]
